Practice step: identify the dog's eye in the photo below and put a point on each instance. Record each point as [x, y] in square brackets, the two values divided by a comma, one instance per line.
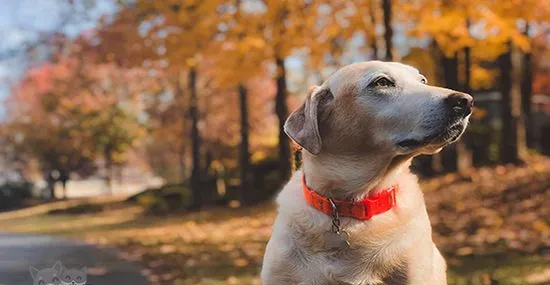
[382, 82]
[424, 81]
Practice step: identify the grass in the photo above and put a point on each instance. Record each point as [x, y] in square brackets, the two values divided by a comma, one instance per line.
[491, 224]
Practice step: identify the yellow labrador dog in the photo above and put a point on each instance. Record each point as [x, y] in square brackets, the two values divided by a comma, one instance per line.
[354, 214]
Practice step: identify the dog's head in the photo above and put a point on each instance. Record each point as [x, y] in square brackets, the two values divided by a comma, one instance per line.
[376, 106]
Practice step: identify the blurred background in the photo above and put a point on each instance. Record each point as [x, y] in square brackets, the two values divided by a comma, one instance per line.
[156, 126]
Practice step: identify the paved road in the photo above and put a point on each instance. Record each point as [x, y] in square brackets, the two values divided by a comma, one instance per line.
[18, 252]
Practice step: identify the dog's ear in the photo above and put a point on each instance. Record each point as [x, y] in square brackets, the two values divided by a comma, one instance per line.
[302, 126]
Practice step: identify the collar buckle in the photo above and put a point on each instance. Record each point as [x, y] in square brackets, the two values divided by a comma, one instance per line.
[336, 222]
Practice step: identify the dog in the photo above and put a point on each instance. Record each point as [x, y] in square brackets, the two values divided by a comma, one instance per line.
[354, 214]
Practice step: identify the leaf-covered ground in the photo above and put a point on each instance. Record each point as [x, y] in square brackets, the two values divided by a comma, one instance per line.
[491, 224]
[494, 223]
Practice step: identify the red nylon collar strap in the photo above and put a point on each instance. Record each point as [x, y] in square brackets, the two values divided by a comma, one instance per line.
[360, 210]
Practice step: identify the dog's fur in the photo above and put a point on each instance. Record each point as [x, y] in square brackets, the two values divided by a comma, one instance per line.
[359, 134]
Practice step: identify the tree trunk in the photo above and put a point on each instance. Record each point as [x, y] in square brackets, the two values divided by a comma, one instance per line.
[64, 178]
[281, 109]
[450, 71]
[180, 95]
[373, 42]
[195, 141]
[463, 154]
[64, 185]
[182, 166]
[245, 195]
[51, 187]
[510, 140]
[467, 70]
[526, 93]
[388, 30]
[50, 180]
[109, 169]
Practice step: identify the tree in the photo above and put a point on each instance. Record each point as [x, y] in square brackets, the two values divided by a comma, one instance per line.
[119, 42]
[186, 30]
[241, 49]
[45, 128]
[168, 129]
[195, 138]
[511, 140]
[373, 39]
[281, 110]
[527, 90]
[284, 26]
[244, 151]
[61, 115]
[177, 29]
[245, 145]
[451, 38]
[505, 17]
[388, 29]
[510, 15]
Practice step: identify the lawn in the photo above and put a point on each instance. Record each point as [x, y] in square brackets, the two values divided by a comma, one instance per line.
[492, 225]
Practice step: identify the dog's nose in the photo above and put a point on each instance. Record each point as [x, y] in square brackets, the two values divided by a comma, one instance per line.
[460, 104]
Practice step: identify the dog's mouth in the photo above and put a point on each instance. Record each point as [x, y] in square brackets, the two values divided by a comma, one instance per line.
[451, 134]
[447, 135]
[410, 143]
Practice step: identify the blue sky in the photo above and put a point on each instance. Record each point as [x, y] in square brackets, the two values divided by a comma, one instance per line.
[23, 21]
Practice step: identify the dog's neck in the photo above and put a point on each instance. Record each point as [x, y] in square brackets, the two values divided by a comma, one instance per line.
[351, 177]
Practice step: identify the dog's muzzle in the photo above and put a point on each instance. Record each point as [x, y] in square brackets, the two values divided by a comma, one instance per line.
[457, 108]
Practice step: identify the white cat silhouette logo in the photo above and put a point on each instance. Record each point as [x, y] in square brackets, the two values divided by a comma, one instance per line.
[59, 275]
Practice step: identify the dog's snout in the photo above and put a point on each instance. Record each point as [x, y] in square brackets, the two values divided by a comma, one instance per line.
[460, 103]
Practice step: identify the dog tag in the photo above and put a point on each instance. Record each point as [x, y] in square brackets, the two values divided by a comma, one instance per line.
[337, 240]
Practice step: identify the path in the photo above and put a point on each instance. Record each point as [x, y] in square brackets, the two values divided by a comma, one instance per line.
[18, 252]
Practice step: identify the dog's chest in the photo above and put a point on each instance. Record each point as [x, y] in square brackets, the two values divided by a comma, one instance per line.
[371, 257]
[364, 261]
[360, 265]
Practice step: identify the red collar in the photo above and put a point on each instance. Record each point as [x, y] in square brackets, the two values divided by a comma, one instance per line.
[360, 210]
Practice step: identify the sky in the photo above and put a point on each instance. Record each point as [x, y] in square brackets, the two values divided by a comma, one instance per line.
[23, 21]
